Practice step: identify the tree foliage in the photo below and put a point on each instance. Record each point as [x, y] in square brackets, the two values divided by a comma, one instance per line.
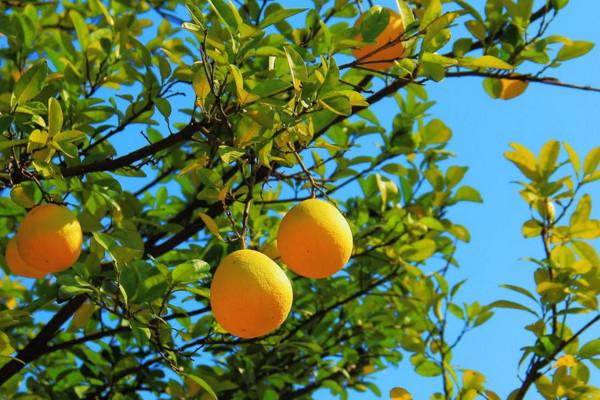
[178, 133]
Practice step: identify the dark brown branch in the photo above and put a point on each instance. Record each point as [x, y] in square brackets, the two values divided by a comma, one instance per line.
[119, 128]
[126, 160]
[542, 11]
[525, 78]
[37, 345]
[534, 371]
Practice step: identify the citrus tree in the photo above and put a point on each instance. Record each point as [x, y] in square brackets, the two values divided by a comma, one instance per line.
[151, 149]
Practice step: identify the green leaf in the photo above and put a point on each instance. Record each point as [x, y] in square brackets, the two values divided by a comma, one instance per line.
[484, 62]
[23, 195]
[81, 29]
[438, 59]
[202, 384]
[590, 349]
[279, 15]
[574, 158]
[519, 289]
[432, 223]
[7, 144]
[243, 95]
[428, 368]
[230, 154]
[107, 16]
[576, 48]
[512, 305]
[586, 251]
[337, 104]
[227, 14]
[164, 106]
[467, 193]
[589, 229]
[473, 380]
[374, 21]
[591, 161]
[436, 132]
[547, 158]
[200, 84]
[31, 83]
[55, 117]
[6, 348]
[454, 175]
[477, 29]
[524, 160]
[188, 270]
[211, 225]
[420, 250]
[583, 210]
[433, 11]
[140, 331]
[5, 122]
[531, 228]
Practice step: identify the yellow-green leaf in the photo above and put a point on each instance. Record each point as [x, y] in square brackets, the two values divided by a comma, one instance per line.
[399, 393]
[83, 315]
[55, 117]
[531, 228]
[583, 210]
[591, 161]
[524, 160]
[211, 225]
[589, 229]
[243, 95]
[548, 157]
[573, 157]
[200, 84]
[484, 62]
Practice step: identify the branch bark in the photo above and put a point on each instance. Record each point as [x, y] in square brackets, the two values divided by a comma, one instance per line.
[126, 160]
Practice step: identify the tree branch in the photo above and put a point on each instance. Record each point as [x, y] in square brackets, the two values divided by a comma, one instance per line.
[525, 78]
[534, 372]
[126, 160]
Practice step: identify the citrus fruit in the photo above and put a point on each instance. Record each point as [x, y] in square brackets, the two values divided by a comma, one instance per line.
[314, 239]
[512, 88]
[17, 265]
[50, 238]
[250, 295]
[381, 56]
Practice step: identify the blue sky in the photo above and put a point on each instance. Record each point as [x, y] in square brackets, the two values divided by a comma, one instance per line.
[482, 130]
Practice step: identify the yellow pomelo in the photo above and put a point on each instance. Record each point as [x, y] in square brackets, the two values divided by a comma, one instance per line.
[50, 238]
[17, 265]
[250, 295]
[512, 88]
[314, 239]
[381, 56]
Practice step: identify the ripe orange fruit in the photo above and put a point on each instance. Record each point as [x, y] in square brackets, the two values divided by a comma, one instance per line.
[50, 238]
[314, 239]
[250, 295]
[512, 88]
[379, 56]
[17, 265]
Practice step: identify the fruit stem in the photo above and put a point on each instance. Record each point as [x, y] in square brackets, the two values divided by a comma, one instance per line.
[314, 185]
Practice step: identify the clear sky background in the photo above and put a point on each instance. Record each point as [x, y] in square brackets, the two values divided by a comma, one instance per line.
[482, 130]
